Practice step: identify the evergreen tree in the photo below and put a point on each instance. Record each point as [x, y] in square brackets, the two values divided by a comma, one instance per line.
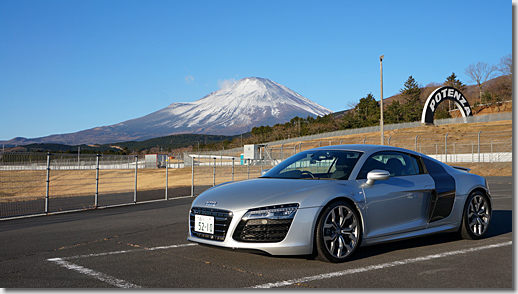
[393, 114]
[453, 81]
[367, 112]
[413, 107]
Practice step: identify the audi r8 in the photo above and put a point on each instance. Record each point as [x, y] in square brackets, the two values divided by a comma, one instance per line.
[328, 201]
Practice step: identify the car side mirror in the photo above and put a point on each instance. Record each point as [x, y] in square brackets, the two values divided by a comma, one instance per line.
[264, 171]
[377, 175]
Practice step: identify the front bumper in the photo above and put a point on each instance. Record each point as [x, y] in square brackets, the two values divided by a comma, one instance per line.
[298, 240]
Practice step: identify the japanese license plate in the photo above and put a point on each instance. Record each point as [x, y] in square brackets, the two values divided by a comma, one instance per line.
[204, 224]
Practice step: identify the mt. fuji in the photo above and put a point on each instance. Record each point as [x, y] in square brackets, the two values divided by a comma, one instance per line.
[233, 110]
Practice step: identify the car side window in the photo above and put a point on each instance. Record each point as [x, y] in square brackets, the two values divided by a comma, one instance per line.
[396, 163]
[417, 164]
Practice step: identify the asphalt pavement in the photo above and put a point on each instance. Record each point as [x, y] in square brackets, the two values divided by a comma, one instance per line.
[145, 246]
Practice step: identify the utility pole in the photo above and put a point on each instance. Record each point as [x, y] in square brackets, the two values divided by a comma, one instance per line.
[381, 101]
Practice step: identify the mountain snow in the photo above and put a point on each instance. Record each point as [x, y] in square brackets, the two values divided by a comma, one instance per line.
[232, 110]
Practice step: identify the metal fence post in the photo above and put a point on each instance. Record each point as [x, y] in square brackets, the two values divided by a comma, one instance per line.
[248, 169]
[389, 140]
[136, 168]
[446, 147]
[471, 151]
[192, 176]
[479, 146]
[214, 173]
[233, 169]
[166, 176]
[96, 200]
[262, 161]
[47, 184]
[415, 149]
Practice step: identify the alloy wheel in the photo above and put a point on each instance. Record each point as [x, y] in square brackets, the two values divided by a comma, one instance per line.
[478, 215]
[340, 231]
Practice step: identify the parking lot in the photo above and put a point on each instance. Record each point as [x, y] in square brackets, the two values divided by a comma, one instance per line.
[145, 246]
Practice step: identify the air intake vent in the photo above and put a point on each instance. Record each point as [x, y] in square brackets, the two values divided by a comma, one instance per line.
[262, 230]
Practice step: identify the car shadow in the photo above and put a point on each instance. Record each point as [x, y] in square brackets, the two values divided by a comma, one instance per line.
[501, 223]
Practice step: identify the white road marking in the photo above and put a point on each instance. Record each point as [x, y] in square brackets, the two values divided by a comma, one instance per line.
[89, 272]
[129, 251]
[379, 266]
[103, 277]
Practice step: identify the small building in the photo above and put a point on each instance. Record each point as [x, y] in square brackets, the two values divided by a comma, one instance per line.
[156, 160]
[252, 152]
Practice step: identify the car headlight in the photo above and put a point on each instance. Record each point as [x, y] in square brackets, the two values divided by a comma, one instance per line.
[286, 211]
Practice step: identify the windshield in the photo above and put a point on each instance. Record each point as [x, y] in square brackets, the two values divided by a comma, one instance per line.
[320, 164]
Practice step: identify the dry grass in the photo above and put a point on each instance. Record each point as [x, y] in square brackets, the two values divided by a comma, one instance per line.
[31, 185]
[459, 133]
[487, 169]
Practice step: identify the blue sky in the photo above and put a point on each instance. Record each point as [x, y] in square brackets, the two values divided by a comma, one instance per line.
[71, 65]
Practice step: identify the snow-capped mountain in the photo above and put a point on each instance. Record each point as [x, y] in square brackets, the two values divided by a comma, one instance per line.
[235, 109]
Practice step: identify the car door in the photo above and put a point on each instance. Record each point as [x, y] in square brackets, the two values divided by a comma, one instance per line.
[400, 203]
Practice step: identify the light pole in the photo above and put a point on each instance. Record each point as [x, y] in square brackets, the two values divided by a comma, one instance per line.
[381, 101]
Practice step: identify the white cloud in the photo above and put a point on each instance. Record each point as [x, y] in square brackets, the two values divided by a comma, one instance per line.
[189, 80]
[225, 83]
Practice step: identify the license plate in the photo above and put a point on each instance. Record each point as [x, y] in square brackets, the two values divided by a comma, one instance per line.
[204, 224]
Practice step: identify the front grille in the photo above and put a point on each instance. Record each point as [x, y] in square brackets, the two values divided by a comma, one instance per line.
[262, 230]
[222, 219]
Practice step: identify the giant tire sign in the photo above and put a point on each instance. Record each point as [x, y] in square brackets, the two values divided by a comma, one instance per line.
[438, 96]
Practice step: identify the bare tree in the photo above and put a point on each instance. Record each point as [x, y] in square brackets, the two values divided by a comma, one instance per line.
[480, 73]
[506, 65]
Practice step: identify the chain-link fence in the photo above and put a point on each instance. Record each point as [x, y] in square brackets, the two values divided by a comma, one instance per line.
[38, 183]
[32, 183]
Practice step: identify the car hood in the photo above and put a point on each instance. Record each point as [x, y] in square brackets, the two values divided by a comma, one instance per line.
[262, 192]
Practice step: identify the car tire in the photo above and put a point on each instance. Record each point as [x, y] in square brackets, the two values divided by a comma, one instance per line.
[338, 232]
[476, 216]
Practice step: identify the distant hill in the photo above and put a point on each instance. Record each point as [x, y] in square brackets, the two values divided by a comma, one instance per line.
[176, 141]
[168, 142]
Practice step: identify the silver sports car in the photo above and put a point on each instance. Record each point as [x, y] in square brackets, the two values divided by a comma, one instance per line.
[328, 201]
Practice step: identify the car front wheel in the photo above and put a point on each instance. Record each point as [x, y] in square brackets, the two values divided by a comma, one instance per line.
[476, 216]
[338, 232]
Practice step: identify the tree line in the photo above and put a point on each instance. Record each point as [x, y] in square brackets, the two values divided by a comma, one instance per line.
[406, 106]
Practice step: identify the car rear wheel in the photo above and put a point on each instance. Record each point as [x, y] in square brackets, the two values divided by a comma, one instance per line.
[338, 232]
[476, 216]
